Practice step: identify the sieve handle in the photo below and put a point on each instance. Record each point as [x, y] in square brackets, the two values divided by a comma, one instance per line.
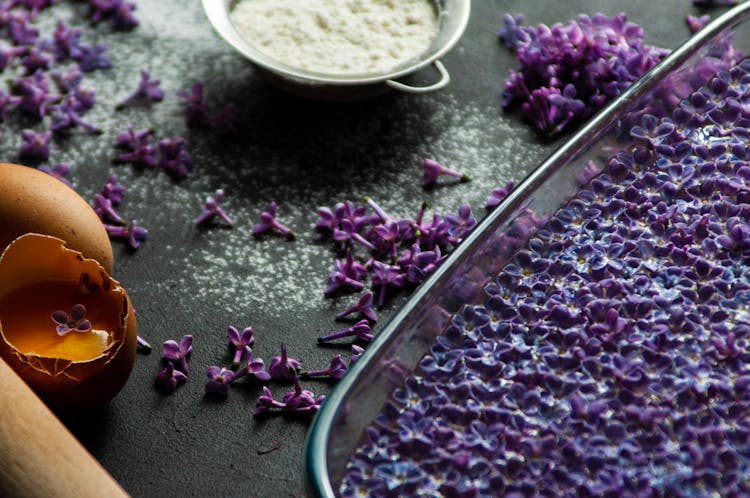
[40, 457]
[445, 78]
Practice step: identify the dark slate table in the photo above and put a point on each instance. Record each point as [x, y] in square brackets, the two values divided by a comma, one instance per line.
[190, 280]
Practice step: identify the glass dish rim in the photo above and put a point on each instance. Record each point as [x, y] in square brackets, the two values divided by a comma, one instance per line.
[315, 468]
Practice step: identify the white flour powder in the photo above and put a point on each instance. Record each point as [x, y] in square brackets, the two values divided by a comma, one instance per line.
[338, 36]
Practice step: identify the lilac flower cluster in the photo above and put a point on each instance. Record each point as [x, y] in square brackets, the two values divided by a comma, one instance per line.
[610, 356]
[567, 72]
[168, 153]
[117, 227]
[400, 252]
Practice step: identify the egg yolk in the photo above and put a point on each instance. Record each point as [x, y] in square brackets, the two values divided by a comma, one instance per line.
[25, 315]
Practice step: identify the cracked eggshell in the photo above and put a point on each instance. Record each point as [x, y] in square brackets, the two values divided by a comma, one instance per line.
[31, 201]
[35, 259]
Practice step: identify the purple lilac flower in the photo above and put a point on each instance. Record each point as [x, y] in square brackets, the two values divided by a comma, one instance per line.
[34, 95]
[196, 109]
[254, 367]
[696, 23]
[59, 171]
[169, 379]
[335, 370]
[266, 402]
[93, 58]
[67, 115]
[356, 353]
[105, 209]
[35, 60]
[510, 34]
[123, 18]
[66, 42]
[498, 195]
[132, 232]
[433, 170]
[76, 321]
[173, 157]
[68, 80]
[138, 147]
[147, 92]
[35, 146]
[283, 366]
[113, 190]
[219, 380]
[7, 104]
[269, 222]
[361, 330]
[347, 274]
[362, 306]
[179, 353]
[299, 401]
[385, 276]
[240, 340]
[213, 209]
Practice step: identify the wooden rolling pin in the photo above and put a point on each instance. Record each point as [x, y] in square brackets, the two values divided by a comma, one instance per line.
[39, 457]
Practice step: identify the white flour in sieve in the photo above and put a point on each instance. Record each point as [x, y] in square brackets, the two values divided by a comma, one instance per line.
[338, 36]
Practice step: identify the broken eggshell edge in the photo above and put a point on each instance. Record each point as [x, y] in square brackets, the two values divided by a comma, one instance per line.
[66, 384]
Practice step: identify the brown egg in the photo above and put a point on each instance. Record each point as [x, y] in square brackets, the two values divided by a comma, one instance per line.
[83, 359]
[32, 201]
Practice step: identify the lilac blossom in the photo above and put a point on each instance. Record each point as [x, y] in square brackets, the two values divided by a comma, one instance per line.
[335, 370]
[433, 170]
[212, 209]
[347, 274]
[385, 276]
[179, 353]
[361, 330]
[35, 146]
[254, 367]
[104, 208]
[138, 147]
[356, 353]
[239, 340]
[219, 380]
[300, 401]
[363, 306]
[147, 92]
[173, 157]
[59, 171]
[76, 321]
[123, 18]
[696, 23]
[498, 195]
[132, 232]
[196, 109]
[34, 95]
[113, 190]
[283, 366]
[169, 379]
[269, 222]
[93, 58]
[510, 34]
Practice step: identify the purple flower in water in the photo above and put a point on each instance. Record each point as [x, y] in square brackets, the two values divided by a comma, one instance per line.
[347, 273]
[362, 306]
[362, 330]
[35, 146]
[433, 170]
[269, 222]
[147, 92]
[169, 379]
[498, 195]
[283, 366]
[179, 352]
[219, 380]
[240, 340]
[213, 209]
[335, 370]
[510, 33]
[104, 208]
[173, 157]
[696, 23]
[113, 190]
[59, 171]
[385, 276]
[76, 321]
[133, 233]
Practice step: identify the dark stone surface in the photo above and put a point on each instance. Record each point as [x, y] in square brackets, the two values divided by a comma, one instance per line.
[302, 154]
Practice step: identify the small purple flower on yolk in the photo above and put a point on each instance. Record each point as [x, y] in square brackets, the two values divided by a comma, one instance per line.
[169, 379]
[283, 366]
[268, 222]
[147, 92]
[213, 209]
[76, 321]
[433, 170]
[179, 352]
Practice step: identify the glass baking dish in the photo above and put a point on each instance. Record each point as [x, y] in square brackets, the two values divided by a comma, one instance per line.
[397, 349]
